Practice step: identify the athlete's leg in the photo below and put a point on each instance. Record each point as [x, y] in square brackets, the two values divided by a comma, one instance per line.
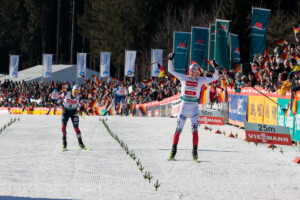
[75, 121]
[49, 110]
[195, 124]
[64, 120]
[183, 113]
[55, 106]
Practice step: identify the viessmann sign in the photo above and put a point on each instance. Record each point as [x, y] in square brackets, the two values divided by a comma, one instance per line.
[270, 134]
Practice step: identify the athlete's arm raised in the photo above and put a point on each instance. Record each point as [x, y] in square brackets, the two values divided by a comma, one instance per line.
[210, 79]
[179, 76]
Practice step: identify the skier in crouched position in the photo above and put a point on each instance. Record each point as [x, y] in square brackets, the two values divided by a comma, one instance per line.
[72, 106]
[190, 93]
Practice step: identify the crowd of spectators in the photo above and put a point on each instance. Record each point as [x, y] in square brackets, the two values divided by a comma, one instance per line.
[21, 93]
[272, 73]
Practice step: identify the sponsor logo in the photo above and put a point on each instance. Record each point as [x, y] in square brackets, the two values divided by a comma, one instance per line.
[190, 93]
[48, 74]
[200, 41]
[271, 138]
[71, 101]
[182, 46]
[258, 26]
[211, 120]
[207, 113]
[237, 50]
[156, 113]
[191, 84]
[223, 27]
[149, 114]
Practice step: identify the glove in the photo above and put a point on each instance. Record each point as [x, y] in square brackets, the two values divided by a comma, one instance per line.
[216, 66]
[171, 55]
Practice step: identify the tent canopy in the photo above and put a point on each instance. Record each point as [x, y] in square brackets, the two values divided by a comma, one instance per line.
[60, 73]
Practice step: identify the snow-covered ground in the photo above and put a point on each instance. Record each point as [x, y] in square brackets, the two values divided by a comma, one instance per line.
[33, 165]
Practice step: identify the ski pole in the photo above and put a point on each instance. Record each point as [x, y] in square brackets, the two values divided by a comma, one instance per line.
[284, 109]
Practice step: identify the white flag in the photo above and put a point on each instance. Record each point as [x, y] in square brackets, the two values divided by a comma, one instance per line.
[13, 66]
[105, 64]
[156, 54]
[81, 65]
[130, 57]
[47, 63]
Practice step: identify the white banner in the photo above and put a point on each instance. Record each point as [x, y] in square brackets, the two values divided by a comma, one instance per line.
[47, 63]
[105, 64]
[13, 66]
[130, 57]
[156, 54]
[81, 64]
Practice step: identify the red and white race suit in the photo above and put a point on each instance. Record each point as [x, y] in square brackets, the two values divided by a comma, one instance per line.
[190, 94]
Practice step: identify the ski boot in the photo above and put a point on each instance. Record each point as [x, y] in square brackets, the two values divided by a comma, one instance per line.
[64, 145]
[81, 145]
[195, 153]
[173, 152]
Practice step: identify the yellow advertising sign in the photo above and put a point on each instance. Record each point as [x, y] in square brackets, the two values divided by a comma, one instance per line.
[270, 112]
[256, 109]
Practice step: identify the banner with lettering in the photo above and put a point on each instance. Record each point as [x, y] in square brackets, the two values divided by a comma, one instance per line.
[212, 40]
[233, 99]
[262, 133]
[105, 64]
[256, 109]
[130, 57]
[270, 111]
[199, 46]
[297, 125]
[81, 65]
[13, 66]
[259, 26]
[47, 64]
[181, 48]
[222, 48]
[156, 54]
[242, 104]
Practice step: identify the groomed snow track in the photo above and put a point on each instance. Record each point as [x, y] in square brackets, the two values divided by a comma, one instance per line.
[32, 164]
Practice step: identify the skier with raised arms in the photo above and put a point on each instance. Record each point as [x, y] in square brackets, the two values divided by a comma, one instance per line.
[190, 94]
[72, 106]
